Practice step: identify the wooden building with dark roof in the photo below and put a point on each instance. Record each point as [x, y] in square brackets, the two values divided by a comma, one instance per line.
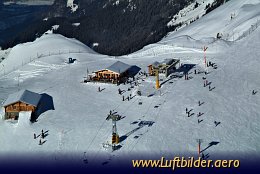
[116, 73]
[167, 66]
[20, 101]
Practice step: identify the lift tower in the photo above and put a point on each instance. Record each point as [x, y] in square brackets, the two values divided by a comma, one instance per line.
[157, 83]
[199, 146]
[115, 136]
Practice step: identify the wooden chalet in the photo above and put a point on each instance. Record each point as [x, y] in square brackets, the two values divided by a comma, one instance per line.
[21, 101]
[167, 66]
[116, 73]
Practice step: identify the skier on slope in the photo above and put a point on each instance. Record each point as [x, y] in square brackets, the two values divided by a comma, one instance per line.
[42, 135]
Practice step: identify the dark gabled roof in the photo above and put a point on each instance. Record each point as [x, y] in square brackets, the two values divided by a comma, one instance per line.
[119, 67]
[133, 70]
[24, 96]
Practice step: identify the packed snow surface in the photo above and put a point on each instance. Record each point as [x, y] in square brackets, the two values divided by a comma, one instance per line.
[155, 122]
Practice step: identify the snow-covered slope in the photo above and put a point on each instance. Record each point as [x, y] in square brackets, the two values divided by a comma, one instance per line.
[190, 13]
[30, 2]
[74, 7]
[245, 15]
[160, 124]
[47, 45]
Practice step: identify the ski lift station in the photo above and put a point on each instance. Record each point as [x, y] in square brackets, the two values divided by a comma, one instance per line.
[167, 66]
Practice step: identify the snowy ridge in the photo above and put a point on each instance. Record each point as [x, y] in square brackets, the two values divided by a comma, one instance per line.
[29, 52]
[182, 44]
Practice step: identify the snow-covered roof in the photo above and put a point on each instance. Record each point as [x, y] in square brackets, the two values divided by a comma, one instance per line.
[119, 67]
[167, 61]
[24, 96]
[156, 63]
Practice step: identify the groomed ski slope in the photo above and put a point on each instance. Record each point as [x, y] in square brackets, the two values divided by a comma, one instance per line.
[160, 124]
